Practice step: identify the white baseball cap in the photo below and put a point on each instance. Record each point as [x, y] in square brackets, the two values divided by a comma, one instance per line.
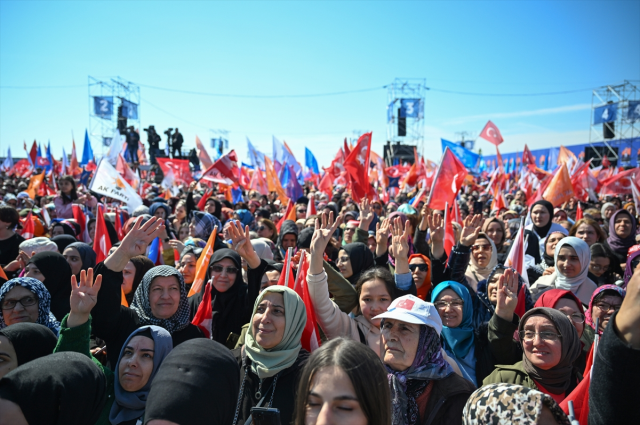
[412, 309]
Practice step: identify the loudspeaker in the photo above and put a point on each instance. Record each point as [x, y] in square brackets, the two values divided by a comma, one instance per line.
[402, 125]
[607, 130]
[122, 121]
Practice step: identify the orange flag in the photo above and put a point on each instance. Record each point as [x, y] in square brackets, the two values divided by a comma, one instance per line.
[123, 298]
[3, 274]
[566, 157]
[560, 189]
[203, 263]
[34, 184]
[273, 183]
[289, 214]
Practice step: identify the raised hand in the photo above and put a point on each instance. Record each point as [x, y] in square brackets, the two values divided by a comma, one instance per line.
[366, 214]
[400, 245]
[325, 228]
[507, 294]
[177, 245]
[135, 243]
[471, 229]
[241, 243]
[424, 213]
[436, 227]
[382, 236]
[84, 297]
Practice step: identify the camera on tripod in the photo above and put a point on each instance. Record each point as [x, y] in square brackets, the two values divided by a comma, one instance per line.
[168, 131]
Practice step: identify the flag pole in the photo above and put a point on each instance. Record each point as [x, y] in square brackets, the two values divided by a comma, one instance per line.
[435, 178]
[287, 266]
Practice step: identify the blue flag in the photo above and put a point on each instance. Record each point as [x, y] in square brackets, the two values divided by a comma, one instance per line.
[236, 194]
[290, 183]
[49, 158]
[153, 252]
[310, 161]
[255, 156]
[467, 157]
[282, 155]
[87, 152]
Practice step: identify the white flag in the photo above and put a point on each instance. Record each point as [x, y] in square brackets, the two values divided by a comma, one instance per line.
[114, 149]
[8, 162]
[108, 182]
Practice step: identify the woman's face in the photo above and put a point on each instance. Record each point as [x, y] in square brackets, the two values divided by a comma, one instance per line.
[374, 300]
[183, 233]
[332, 399]
[568, 262]
[128, 273]
[164, 296]
[270, 278]
[419, 270]
[160, 213]
[599, 265]
[520, 196]
[559, 216]
[13, 309]
[608, 212]
[264, 231]
[604, 309]
[92, 230]
[73, 258]
[543, 352]
[188, 268]
[181, 212]
[136, 363]
[587, 234]
[492, 287]
[65, 186]
[344, 264]
[622, 225]
[269, 321]
[192, 228]
[632, 209]
[58, 230]
[31, 270]
[540, 216]
[400, 343]
[572, 311]
[210, 207]
[223, 274]
[494, 231]
[8, 356]
[450, 307]
[552, 241]
[481, 251]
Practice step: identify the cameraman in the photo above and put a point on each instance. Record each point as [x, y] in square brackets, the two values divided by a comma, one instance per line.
[154, 142]
[177, 141]
[133, 139]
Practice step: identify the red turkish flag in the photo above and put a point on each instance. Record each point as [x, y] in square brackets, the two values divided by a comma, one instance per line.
[28, 227]
[223, 170]
[448, 181]
[491, 134]
[620, 184]
[449, 234]
[357, 166]
[101, 241]
[579, 213]
[180, 168]
[527, 156]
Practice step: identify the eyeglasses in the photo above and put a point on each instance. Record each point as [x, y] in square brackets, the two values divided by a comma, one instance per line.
[441, 305]
[421, 267]
[481, 248]
[597, 268]
[25, 302]
[607, 307]
[576, 317]
[220, 269]
[545, 336]
[302, 211]
[344, 259]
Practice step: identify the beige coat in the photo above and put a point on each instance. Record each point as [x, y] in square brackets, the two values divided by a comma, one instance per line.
[548, 282]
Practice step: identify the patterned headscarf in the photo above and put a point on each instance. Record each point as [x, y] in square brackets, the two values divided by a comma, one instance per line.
[505, 404]
[587, 314]
[45, 317]
[407, 385]
[205, 223]
[142, 307]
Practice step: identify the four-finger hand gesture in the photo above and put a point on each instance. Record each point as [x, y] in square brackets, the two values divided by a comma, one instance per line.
[141, 235]
[241, 243]
[436, 227]
[400, 239]
[84, 296]
[471, 229]
[324, 230]
[507, 294]
[382, 231]
[366, 214]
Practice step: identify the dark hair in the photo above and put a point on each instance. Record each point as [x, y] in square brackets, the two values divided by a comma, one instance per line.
[364, 369]
[74, 190]
[9, 215]
[605, 293]
[381, 273]
[602, 250]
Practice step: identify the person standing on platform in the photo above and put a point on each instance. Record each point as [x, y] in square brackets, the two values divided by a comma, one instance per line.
[176, 144]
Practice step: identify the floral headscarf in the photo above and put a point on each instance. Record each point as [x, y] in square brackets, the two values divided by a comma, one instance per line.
[587, 314]
[45, 317]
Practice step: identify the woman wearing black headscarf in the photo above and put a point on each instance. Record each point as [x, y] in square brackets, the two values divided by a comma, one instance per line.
[63, 228]
[22, 343]
[166, 307]
[61, 388]
[231, 299]
[182, 392]
[52, 269]
[80, 256]
[541, 214]
[354, 259]
[63, 241]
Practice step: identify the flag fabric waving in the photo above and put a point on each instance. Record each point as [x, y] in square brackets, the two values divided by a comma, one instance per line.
[560, 189]
[107, 181]
[357, 166]
[516, 260]
[203, 263]
[310, 161]
[28, 227]
[101, 241]
[204, 315]
[222, 171]
[87, 151]
[491, 134]
[203, 156]
[447, 182]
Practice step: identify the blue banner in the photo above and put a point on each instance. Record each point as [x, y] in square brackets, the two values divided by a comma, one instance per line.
[129, 110]
[410, 108]
[310, 161]
[103, 106]
[606, 113]
[468, 158]
[633, 112]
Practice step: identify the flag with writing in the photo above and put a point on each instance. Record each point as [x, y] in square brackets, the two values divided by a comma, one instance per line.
[108, 182]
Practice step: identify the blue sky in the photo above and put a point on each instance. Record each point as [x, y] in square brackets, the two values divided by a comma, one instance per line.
[275, 48]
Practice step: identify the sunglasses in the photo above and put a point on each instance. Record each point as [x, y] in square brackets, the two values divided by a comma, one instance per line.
[261, 228]
[302, 211]
[220, 269]
[481, 248]
[421, 267]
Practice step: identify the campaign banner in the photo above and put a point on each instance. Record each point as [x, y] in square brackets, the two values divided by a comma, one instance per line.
[108, 182]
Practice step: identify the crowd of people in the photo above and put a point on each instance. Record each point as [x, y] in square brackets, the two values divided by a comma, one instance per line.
[409, 328]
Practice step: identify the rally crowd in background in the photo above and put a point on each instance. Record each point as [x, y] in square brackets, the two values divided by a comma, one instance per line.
[339, 306]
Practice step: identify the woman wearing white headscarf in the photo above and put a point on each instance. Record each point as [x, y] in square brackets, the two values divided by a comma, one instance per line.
[572, 257]
[484, 258]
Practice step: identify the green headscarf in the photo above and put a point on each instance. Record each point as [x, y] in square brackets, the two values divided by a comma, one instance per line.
[266, 363]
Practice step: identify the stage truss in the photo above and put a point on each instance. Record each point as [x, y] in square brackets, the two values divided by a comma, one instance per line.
[407, 89]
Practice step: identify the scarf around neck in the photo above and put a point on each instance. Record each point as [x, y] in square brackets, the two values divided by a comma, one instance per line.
[473, 269]
[584, 255]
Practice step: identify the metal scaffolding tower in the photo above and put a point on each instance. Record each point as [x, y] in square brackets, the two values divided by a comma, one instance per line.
[405, 111]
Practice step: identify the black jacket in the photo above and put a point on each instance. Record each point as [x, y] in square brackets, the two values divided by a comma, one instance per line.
[447, 399]
[286, 388]
[114, 323]
[613, 395]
